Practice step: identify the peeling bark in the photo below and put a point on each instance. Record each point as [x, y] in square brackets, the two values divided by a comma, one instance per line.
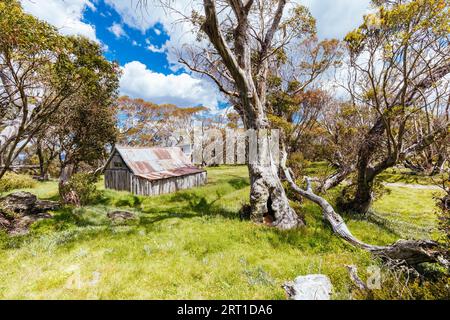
[353, 273]
[269, 203]
[67, 196]
[336, 178]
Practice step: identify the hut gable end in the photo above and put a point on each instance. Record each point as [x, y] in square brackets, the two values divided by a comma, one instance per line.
[117, 163]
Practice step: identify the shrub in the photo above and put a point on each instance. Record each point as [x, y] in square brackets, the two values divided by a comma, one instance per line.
[443, 213]
[297, 163]
[406, 284]
[81, 189]
[11, 181]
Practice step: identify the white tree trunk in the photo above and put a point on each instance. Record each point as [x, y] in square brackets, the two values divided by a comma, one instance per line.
[268, 199]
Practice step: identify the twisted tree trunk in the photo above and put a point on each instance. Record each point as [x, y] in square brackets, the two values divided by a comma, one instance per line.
[336, 178]
[366, 174]
[268, 199]
[67, 196]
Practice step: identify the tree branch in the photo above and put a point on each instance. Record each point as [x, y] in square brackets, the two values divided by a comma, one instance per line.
[212, 77]
[212, 29]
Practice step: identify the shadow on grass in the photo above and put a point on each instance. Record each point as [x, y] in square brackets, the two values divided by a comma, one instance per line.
[239, 183]
[182, 205]
[188, 205]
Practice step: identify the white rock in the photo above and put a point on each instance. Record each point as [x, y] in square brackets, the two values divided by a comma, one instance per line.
[310, 287]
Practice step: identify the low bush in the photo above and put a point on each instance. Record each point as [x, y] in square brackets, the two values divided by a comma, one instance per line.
[11, 181]
[81, 189]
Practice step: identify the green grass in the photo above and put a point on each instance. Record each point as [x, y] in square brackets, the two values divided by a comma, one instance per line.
[44, 190]
[402, 175]
[187, 245]
[319, 169]
[410, 212]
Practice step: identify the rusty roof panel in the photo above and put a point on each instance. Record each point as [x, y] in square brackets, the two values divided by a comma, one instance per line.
[157, 163]
[162, 154]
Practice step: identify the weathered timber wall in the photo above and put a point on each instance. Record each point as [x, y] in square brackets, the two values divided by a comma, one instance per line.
[118, 180]
[142, 186]
[123, 180]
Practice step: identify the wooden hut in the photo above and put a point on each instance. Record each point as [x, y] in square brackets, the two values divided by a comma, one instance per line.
[151, 171]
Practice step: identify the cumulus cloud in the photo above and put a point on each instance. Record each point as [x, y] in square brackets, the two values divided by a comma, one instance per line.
[155, 49]
[335, 18]
[66, 15]
[117, 30]
[183, 90]
[144, 19]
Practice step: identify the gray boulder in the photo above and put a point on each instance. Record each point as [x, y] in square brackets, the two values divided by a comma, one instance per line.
[121, 216]
[18, 202]
[20, 209]
[25, 203]
[310, 287]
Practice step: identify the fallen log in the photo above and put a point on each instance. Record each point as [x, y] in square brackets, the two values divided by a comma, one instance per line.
[410, 252]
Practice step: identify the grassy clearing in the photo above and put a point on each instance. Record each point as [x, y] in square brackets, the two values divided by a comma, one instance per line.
[402, 175]
[395, 209]
[187, 245]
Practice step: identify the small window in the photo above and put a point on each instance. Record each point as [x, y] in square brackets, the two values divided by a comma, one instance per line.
[118, 165]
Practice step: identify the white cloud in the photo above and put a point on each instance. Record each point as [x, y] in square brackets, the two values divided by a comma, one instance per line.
[154, 48]
[144, 19]
[137, 17]
[335, 18]
[66, 15]
[182, 90]
[117, 30]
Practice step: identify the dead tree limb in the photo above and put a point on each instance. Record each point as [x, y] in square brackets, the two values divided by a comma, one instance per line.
[353, 273]
[336, 178]
[410, 252]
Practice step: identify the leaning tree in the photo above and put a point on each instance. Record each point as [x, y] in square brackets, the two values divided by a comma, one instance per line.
[85, 125]
[35, 78]
[399, 62]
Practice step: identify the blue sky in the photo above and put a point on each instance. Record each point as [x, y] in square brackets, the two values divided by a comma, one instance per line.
[143, 42]
[126, 44]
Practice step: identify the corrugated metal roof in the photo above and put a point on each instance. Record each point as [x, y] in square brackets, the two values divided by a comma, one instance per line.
[157, 163]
